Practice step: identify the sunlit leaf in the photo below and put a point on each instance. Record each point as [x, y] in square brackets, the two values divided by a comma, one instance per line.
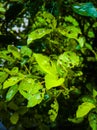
[72, 32]
[3, 55]
[81, 41]
[11, 92]
[45, 64]
[53, 81]
[68, 60]
[69, 31]
[37, 34]
[14, 71]
[44, 19]
[71, 20]
[25, 51]
[14, 118]
[35, 99]
[29, 86]
[84, 109]
[25, 94]
[12, 81]
[14, 51]
[3, 76]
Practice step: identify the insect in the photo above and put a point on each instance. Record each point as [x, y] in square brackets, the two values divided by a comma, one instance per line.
[85, 9]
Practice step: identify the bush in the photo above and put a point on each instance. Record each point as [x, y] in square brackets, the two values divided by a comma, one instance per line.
[46, 74]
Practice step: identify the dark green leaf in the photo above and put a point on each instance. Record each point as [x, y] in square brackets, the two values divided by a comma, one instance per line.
[92, 118]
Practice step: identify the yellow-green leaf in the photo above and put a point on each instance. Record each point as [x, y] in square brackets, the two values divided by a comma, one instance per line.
[52, 81]
[2, 9]
[46, 64]
[35, 99]
[84, 109]
[76, 120]
[14, 118]
[37, 34]
[29, 86]
[44, 19]
[12, 81]
[25, 51]
[14, 71]
[72, 20]
[14, 51]
[3, 76]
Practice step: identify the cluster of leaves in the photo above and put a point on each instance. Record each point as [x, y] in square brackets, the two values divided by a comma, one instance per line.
[36, 76]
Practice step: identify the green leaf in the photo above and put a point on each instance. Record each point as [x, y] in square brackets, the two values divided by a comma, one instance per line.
[52, 81]
[85, 9]
[14, 118]
[3, 55]
[11, 92]
[12, 81]
[81, 41]
[71, 20]
[72, 32]
[69, 31]
[53, 112]
[68, 60]
[84, 109]
[14, 71]
[3, 76]
[94, 93]
[25, 51]
[91, 34]
[24, 60]
[2, 10]
[29, 86]
[45, 64]
[92, 118]
[37, 34]
[35, 99]
[31, 91]
[88, 46]
[76, 120]
[88, 98]
[44, 19]
[14, 51]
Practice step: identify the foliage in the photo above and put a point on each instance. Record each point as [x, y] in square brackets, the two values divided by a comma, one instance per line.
[46, 73]
[85, 9]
